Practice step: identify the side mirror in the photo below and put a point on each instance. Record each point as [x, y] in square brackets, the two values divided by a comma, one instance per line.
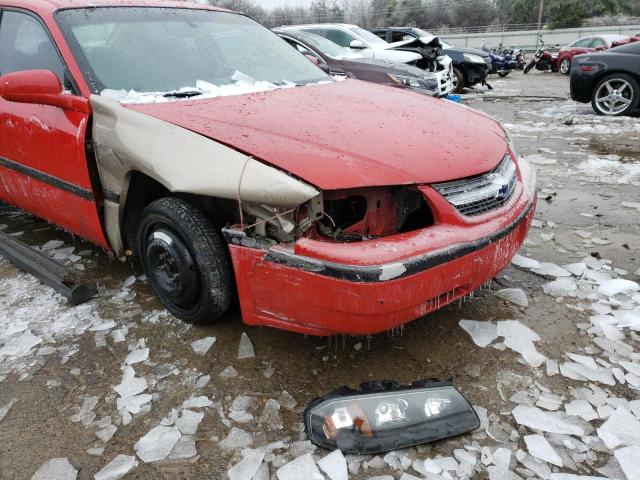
[40, 87]
[357, 45]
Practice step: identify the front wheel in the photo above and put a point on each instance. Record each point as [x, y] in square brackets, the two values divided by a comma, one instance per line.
[529, 66]
[565, 66]
[185, 260]
[504, 74]
[615, 95]
[458, 81]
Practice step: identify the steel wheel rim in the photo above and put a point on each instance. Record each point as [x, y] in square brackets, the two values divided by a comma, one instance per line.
[564, 66]
[614, 96]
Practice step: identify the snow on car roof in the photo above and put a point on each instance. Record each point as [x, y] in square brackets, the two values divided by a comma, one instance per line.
[52, 5]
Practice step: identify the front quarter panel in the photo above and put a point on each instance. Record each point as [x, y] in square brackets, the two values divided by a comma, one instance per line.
[182, 161]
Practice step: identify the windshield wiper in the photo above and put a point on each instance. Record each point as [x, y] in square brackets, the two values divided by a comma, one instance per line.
[183, 94]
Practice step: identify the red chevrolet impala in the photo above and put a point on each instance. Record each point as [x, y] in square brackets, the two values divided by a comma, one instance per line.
[198, 141]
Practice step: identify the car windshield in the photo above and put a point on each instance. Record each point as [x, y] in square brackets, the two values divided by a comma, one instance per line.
[327, 47]
[188, 51]
[367, 36]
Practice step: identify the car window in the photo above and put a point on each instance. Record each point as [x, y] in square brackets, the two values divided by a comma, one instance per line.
[381, 33]
[25, 45]
[597, 42]
[582, 43]
[340, 37]
[367, 36]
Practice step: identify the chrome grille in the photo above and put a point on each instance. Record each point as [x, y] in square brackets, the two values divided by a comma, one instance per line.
[476, 195]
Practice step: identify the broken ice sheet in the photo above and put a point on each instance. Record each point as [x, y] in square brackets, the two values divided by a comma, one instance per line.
[130, 385]
[550, 270]
[56, 469]
[157, 443]
[4, 410]
[184, 448]
[202, 346]
[236, 438]
[117, 468]
[540, 420]
[334, 466]
[562, 287]
[245, 348]
[482, 333]
[188, 422]
[228, 372]
[301, 468]
[581, 408]
[621, 428]
[197, 402]
[137, 356]
[271, 415]
[616, 286]
[629, 460]
[514, 295]
[20, 345]
[539, 447]
[525, 262]
[248, 466]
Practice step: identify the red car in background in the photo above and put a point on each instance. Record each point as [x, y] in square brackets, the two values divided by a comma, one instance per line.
[198, 141]
[594, 43]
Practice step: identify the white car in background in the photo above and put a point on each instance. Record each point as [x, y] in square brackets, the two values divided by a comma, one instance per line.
[369, 45]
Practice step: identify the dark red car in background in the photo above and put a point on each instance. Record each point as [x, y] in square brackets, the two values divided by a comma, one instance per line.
[200, 142]
[584, 45]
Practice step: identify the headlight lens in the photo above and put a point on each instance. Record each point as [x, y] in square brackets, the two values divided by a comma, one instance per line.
[426, 82]
[386, 416]
[473, 58]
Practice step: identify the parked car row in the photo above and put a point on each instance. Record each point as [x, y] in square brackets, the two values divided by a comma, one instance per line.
[199, 142]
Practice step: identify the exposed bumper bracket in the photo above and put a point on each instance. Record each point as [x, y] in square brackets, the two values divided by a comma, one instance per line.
[48, 271]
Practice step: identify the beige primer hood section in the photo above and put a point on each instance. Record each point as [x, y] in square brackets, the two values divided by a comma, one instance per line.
[182, 161]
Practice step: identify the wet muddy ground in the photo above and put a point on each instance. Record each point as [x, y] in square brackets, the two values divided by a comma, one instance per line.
[588, 167]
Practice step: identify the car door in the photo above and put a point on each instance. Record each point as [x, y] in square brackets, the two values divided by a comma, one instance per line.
[581, 46]
[597, 44]
[44, 154]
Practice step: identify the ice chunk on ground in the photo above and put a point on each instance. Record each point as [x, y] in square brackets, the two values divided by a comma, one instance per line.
[202, 346]
[85, 414]
[55, 469]
[271, 415]
[301, 468]
[539, 447]
[501, 458]
[563, 287]
[106, 433]
[229, 372]
[621, 428]
[431, 466]
[20, 345]
[134, 403]
[552, 422]
[334, 466]
[629, 460]
[618, 285]
[117, 468]
[631, 367]
[514, 295]
[552, 368]
[482, 333]
[245, 349]
[189, 421]
[236, 438]
[157, 443]
[513, 328]
[248, 466]
[4, 410]
[525, 262]
[551, 270]
[184, 448]
[137, 356]
[130, 385]
[581, 408]
[197, 402]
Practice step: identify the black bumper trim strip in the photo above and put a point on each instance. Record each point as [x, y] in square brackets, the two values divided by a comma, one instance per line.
[50, 179]
[392, 271]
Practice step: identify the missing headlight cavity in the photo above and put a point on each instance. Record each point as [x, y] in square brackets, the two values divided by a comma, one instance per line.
[362, 214]
[383, 416]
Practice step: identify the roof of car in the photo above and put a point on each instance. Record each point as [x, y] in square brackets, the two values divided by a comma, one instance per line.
[319, 25]
[52, 5]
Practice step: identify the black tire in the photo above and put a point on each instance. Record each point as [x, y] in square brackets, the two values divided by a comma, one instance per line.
[634, 94]
[461, 81]
[504, 74]
[565, 66]
[529, 66]
[185, 260]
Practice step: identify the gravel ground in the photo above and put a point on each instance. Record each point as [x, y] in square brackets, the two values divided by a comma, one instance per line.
[556, 386]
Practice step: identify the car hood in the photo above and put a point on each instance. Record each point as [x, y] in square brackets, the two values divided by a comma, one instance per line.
[346, 134]
[468, 51]
[385, 66]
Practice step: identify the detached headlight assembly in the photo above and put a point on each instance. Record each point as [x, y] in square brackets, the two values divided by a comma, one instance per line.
[473, 58]
[384, 416]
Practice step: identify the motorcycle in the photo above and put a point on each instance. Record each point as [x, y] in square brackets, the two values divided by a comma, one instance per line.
[518, 55]
[500, 64]
[543, 59]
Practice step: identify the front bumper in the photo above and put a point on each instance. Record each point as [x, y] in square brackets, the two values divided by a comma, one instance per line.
[324, 288]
